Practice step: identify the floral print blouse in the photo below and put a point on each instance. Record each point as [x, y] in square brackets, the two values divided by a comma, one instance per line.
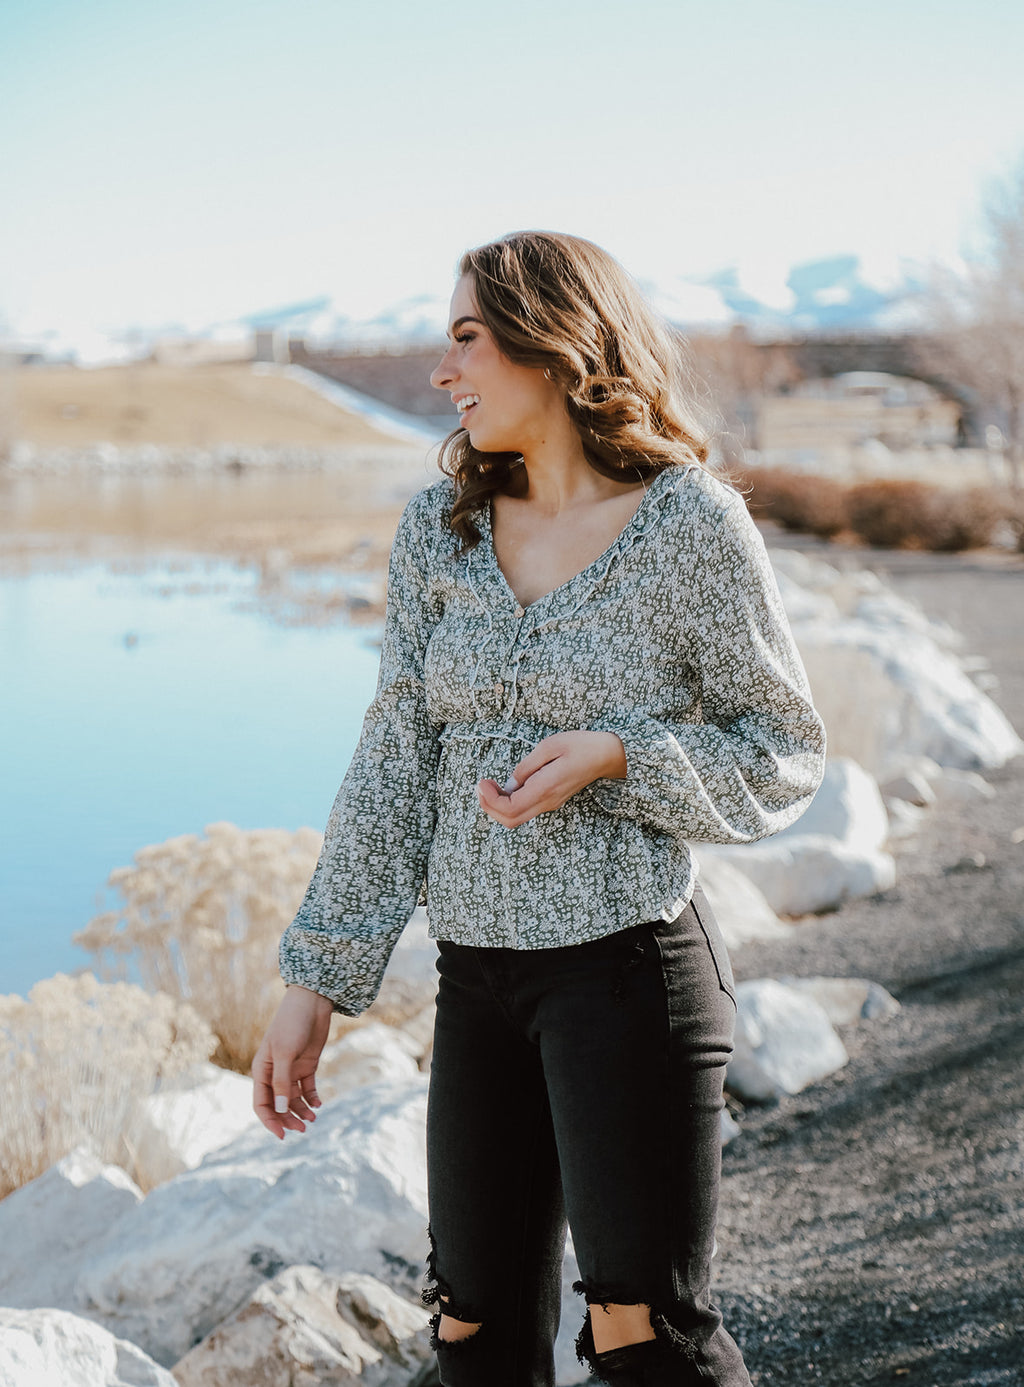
[675, 639]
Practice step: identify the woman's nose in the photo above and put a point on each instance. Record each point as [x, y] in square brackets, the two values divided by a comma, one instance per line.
[441, 375]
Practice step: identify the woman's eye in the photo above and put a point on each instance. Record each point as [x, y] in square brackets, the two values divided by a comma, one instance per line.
[464, 336]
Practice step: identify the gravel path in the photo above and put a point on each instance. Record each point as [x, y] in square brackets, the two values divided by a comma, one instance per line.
[872, 1227]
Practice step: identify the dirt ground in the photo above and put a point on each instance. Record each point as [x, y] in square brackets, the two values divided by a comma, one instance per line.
[871, 1226]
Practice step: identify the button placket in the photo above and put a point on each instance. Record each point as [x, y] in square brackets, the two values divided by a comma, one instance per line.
[511, 666]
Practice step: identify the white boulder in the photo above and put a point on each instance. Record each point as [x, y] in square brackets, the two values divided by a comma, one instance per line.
[347, 1195]
[739, 907]
[914, 695]
[190, 1116]
[962, 787]
[801, 874]
[888, 681]
[730, 1127]
[307, 1328]
[49, 1227]
[370, 1054]
[54, 1348]
[784, 1041]
[846, 807]
[913, 784]
[846, 1000]
[410, 981]
[905, 819]
[568, 1370]
[420, 1030]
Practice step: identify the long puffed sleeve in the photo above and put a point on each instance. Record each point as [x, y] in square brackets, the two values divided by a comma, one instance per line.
[753, 755]
[372, 866]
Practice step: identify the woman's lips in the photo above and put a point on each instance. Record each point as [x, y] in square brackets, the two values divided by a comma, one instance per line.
[466, 413]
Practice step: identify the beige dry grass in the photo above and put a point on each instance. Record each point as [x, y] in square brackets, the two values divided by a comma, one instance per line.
[79, 1058]
[201, 919]
[148, 402]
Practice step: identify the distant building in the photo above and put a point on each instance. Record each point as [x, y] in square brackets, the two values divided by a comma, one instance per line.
[272, 344]
[239, 345]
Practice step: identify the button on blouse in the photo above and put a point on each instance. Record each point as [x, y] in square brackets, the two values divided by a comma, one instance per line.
[675, 639]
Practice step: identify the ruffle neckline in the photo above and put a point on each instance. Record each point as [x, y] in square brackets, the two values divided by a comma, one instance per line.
[575, 590]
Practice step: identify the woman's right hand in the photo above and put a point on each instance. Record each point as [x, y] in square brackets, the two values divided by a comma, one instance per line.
[284, 1067]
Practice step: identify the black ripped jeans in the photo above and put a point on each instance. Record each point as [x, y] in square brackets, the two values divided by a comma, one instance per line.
[581, 1083]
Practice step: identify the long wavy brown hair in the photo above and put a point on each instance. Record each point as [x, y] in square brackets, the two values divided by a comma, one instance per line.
[562, 303]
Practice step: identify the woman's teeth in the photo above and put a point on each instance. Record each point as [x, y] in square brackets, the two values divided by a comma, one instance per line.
[467, 402]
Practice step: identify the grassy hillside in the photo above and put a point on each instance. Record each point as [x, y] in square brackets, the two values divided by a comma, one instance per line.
[146, 402]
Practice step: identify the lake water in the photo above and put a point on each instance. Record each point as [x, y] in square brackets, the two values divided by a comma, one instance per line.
[136, 706]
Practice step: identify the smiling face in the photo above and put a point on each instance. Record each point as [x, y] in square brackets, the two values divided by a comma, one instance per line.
[517, 404]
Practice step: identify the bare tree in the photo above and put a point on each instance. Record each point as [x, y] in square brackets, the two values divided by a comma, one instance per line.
[739, 376]
[977, 318]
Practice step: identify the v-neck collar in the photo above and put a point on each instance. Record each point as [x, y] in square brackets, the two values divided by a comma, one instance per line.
[661, 486]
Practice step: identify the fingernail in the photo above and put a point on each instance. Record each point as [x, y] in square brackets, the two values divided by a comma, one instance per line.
[510, 786]
[280, 1102]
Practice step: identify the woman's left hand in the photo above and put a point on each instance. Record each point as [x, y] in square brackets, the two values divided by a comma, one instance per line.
[554, 771]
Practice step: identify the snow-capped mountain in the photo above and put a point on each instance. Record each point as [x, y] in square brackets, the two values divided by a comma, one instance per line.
[819, 295]
[422, 318]
[825, 295]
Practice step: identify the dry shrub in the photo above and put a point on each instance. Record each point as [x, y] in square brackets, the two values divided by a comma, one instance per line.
[1012, 513]
[79, 1058]
[894, 514]
[813, 504]
[961, 519]
[201, 919]
[886, 513]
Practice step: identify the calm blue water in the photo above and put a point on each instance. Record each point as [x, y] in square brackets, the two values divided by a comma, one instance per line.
[207, 711]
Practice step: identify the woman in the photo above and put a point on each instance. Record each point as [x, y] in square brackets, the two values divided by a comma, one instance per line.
[585, 664]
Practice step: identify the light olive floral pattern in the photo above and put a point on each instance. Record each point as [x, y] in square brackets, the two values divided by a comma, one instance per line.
[675, 639]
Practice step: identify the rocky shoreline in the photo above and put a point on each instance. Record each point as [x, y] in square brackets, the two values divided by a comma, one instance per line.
[870, 1217]
[870, 1226]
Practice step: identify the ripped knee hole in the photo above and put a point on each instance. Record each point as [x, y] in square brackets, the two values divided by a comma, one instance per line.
[451, 1319]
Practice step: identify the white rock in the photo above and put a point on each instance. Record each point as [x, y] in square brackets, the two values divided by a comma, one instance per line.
[886, 693]
[348, 1194]
[889, 681]
[911, 786]
[922, 766]
[410, 982]
[962, 787]
[306, 1326]
[800, 874]
[740, 908]
[730, 1127]
[846, 1000]
[568, 1369]
[54, 1348]
[784, 1041]
[420, 1030]
[49, 1226]
[904, 819]
[799, 596]
[370, 1054]
[847, 807]
[189, 1117]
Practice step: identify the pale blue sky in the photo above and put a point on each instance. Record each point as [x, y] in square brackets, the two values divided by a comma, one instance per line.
[198, 160]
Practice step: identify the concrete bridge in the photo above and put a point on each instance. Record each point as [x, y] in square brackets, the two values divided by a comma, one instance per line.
[821, 358]
[400, 377]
